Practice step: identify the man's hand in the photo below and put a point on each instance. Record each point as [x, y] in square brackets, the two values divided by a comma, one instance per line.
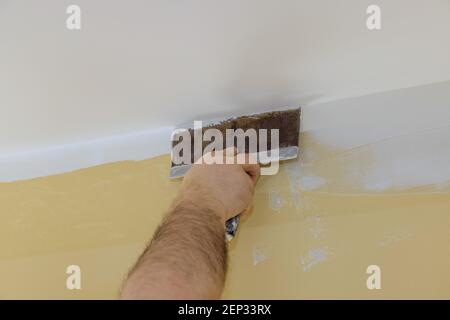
[187, 257]
[228, 188]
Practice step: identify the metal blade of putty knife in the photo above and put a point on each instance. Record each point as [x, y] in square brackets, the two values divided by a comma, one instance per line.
[286, 121]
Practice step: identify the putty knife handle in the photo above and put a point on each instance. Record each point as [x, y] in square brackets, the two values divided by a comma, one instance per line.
[231, 227]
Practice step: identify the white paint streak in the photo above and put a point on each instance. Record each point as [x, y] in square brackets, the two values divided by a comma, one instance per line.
[313, 257]
[310, 182]
[396, 163]
[389, 141]
[258, 256]
[317, 229]
[276, 202]
[292, 169]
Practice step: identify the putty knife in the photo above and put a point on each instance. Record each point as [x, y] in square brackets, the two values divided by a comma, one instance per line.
[286, 122]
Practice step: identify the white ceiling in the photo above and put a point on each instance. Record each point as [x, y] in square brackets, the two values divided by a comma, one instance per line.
[138, 65]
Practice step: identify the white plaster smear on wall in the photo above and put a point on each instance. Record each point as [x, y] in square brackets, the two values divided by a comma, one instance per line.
[412, 160]
[420, 159]
[407, 132]
[391, 141]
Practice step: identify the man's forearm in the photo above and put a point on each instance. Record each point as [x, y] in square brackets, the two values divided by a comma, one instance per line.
[187, 257]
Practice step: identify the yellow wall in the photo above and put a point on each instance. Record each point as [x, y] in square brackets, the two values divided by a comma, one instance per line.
[306, 238]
